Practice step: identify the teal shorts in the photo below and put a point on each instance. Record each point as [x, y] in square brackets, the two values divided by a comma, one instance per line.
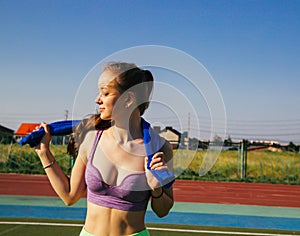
[144, 232]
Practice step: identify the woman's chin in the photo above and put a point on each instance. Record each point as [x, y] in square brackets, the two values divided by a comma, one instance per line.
[103, 117]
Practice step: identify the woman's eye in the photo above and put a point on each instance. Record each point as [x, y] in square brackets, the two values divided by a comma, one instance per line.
[104, 93]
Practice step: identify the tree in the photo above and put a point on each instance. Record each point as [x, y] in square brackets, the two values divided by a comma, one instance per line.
[217, 140]
[228, 142]
[291, 147]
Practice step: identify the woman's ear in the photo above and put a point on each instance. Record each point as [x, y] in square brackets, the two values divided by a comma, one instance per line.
[130, 99]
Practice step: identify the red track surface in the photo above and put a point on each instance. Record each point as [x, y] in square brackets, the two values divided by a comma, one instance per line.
[184, 191]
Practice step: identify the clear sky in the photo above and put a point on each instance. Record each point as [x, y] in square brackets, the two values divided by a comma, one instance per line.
[250, 48]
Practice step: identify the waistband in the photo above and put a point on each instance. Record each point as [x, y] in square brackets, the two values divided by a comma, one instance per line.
[144, 232]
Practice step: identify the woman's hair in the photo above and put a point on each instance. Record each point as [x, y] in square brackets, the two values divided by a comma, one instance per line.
[127, 75]
[94, 122]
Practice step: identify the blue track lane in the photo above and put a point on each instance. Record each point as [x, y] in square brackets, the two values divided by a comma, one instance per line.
[203, 219]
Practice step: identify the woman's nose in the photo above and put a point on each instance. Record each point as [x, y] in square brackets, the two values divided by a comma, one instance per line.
[98, 99]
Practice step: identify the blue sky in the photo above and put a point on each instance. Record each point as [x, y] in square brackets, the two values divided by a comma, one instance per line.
[251, 49]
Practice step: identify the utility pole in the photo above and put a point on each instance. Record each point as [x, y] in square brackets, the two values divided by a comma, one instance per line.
[188, 131]
[66, 114]
[66, 117]
[189, 124]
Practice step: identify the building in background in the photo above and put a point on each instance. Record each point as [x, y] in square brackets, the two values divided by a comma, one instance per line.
[24, 129]
[6, 135]
[170, 134]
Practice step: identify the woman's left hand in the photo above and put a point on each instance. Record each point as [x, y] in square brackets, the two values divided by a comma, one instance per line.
[157, 163]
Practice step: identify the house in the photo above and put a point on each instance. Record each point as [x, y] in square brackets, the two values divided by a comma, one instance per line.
[6, 135]
[172, 135]
[24, 129]
[6, 131]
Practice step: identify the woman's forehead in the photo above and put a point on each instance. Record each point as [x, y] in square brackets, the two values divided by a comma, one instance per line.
[103, 86]
[105, 80]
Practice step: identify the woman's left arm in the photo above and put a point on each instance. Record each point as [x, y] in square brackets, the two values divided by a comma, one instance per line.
[162, 201]
[162, 198]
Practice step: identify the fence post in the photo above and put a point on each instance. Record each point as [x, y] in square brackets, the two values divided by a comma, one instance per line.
[243, 158]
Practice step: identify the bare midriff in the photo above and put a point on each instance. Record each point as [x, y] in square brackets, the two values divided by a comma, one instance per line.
[108, 221]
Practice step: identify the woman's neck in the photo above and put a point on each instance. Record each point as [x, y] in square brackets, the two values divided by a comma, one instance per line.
[127, 130]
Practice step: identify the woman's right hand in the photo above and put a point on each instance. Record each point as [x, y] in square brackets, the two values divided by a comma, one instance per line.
[44, 145]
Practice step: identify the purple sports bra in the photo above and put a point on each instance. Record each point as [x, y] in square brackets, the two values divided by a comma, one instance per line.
[131, 195]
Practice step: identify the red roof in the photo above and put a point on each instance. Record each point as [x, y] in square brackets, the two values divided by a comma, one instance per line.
[26, 128]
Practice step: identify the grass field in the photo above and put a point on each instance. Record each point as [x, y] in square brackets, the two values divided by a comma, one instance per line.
[31, 227]
[262, 166]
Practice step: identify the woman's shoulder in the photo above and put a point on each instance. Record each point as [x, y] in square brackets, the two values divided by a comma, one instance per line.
[87, 143]
[89, 138]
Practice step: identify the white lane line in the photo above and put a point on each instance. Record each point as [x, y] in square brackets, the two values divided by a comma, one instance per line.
[217, 232]
[150, 228]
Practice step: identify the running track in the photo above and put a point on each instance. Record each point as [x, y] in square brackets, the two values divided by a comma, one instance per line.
[184, 191]
[241, 205]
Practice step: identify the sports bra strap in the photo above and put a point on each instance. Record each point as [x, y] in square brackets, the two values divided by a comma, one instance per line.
[98, 135]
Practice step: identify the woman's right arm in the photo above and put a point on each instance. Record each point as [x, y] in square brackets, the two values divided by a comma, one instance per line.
[70, 190]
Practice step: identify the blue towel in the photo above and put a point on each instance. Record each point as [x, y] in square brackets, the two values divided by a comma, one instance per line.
[65, 127]
[58, 128]
[164, 177]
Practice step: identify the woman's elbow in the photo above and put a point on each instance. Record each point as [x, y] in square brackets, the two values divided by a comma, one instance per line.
[69, 201]
[164, 212]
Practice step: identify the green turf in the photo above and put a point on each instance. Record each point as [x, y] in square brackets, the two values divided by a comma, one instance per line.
[29, 230]
[155, 229]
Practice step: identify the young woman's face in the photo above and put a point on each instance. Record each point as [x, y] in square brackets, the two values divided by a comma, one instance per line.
[108, 95]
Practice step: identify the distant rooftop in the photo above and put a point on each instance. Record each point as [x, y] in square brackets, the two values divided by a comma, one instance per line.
[26, 128]
[6, 130]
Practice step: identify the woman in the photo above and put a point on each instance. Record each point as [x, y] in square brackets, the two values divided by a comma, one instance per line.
[112, 163]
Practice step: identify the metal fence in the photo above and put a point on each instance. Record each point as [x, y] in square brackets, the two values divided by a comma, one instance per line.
[240, 163]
